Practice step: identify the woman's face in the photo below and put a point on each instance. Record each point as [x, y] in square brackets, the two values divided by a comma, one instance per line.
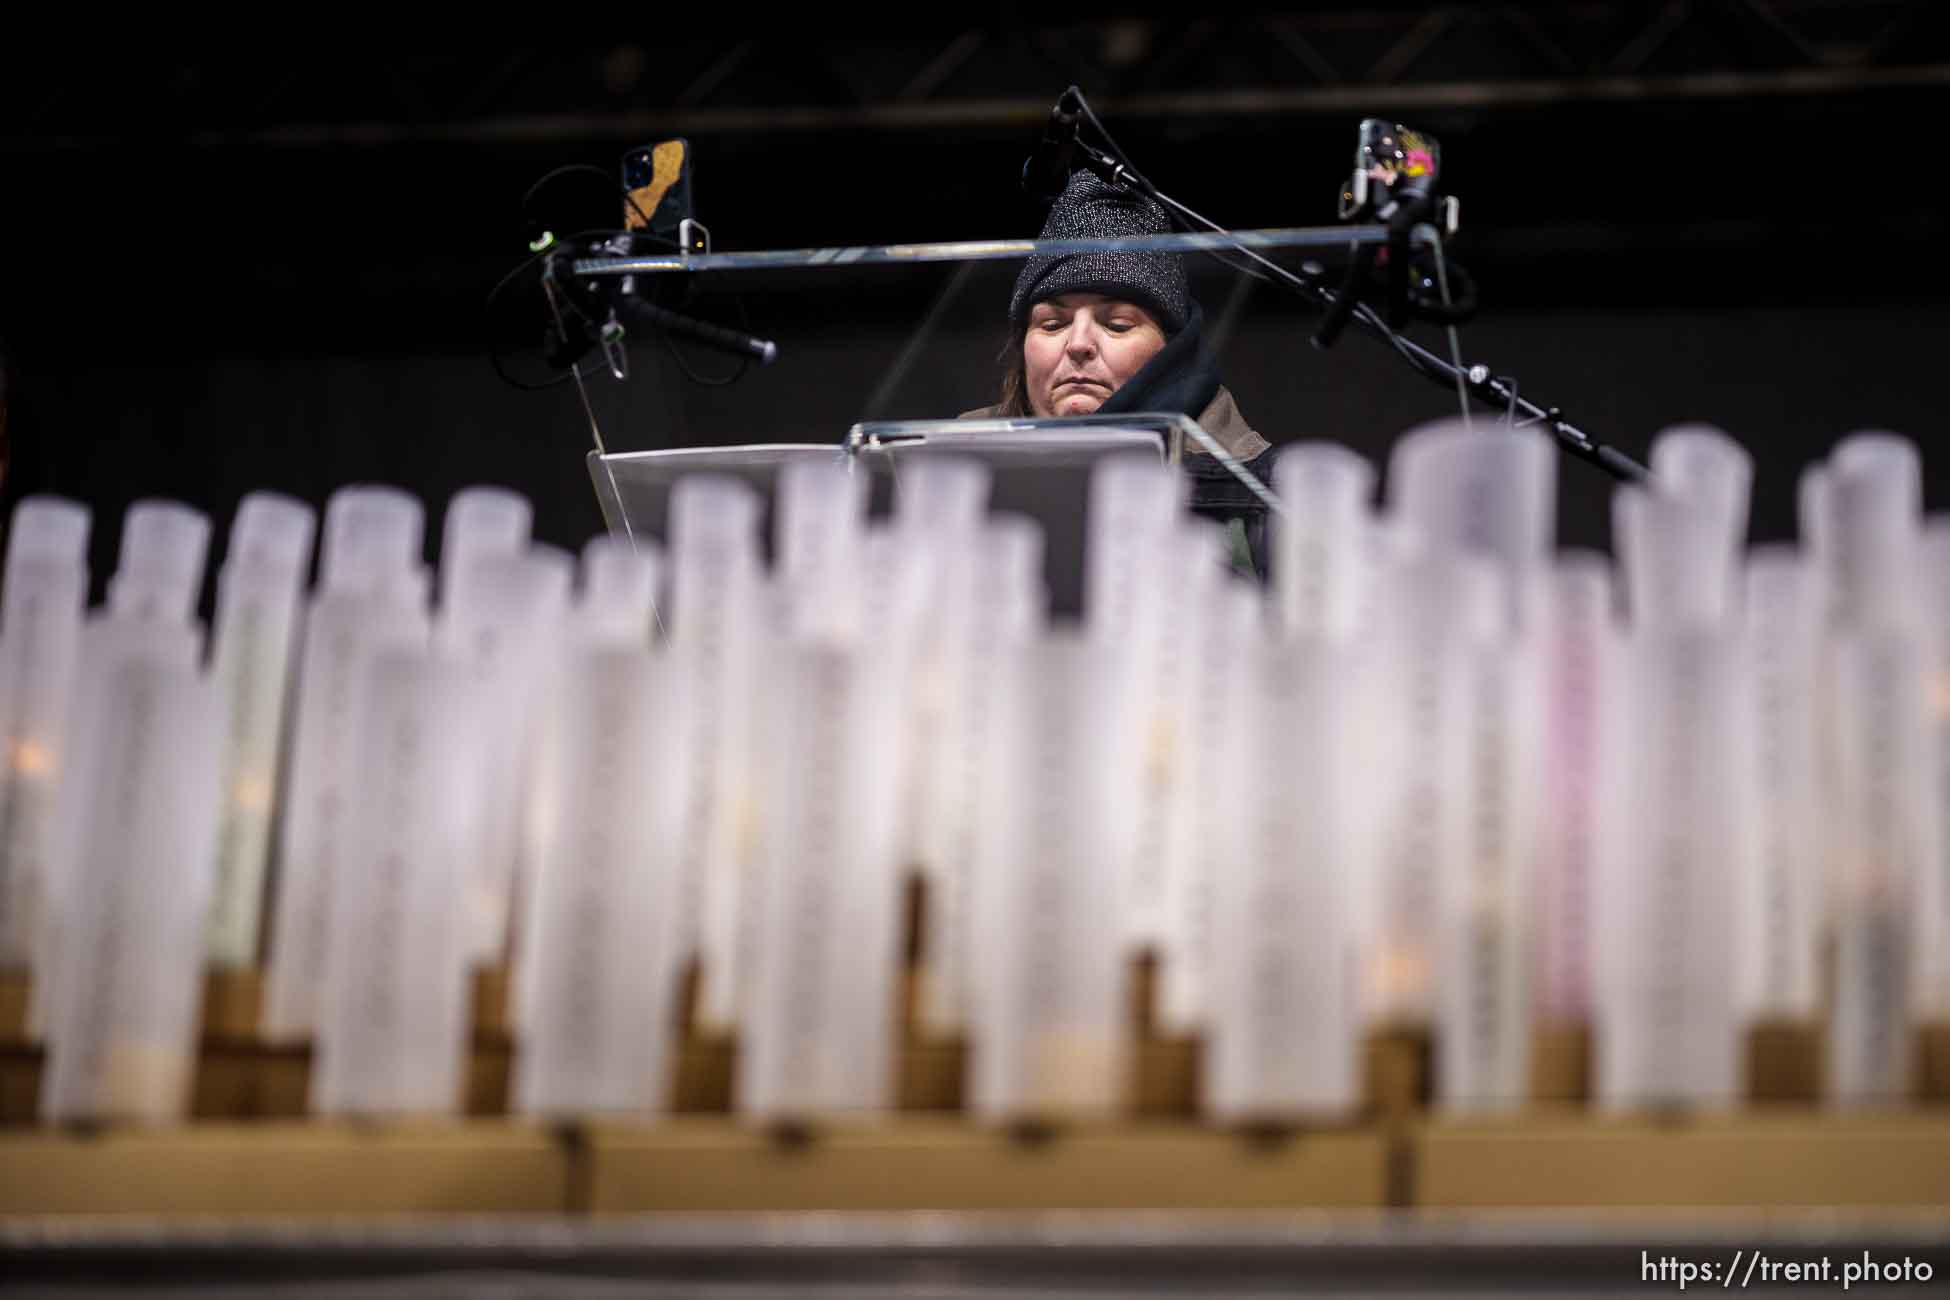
[1080, 349]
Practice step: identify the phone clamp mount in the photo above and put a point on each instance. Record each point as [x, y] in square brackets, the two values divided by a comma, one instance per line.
[1397, 171]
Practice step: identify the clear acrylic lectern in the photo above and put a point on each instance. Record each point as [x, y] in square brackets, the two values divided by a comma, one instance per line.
[1039, 468]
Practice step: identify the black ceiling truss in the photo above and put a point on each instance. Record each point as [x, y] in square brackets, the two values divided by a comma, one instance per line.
[993, 75]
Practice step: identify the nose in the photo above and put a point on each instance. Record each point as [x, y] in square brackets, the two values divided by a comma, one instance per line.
[1080, 343]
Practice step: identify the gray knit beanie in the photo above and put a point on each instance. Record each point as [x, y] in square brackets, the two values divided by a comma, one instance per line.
[1091, 209]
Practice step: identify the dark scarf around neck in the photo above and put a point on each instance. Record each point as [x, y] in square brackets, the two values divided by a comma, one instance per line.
[1183, 378]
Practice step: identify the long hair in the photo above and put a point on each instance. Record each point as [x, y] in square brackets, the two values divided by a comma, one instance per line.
[1015, 384]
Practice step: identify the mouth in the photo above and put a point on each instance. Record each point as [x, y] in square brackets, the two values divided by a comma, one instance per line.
[1093, 385]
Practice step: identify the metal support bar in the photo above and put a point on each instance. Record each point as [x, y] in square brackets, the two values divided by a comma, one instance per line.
[987, 250]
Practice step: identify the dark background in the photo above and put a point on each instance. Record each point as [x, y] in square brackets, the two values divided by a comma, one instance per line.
[270, 269]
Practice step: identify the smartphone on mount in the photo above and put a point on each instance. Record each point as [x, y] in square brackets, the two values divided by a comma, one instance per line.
[658, 195]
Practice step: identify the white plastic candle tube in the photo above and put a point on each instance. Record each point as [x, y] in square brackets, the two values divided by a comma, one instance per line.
[896, 582]
[600, 966]
[158, 576]
[1934, 912]
[818, 524]
[819, 1033]
[1236, 624]
[1677, 821]
[1579, 636]
[1872, 507]
[1814, 516]
[1132, 561]
[997, 607]
[1781, 902]
[1886, 838]
[481, 523]
[372, 535]
[1285, 1019]
[136, 851]
[1811, 515]
[1887, 826]
[899, 587]
[1486, 927]
[1133, 503]
[1416, 689]
[374, 596]
[1047, 1029]
[160, 572]
[503, 618]
[258, 617]
[393, 1016]
[1700, 464]
[938, 493]
[1490, 492]
[485, 528]
[942, 648]
[1678, 570]
[513, 620]
[1189, 565]
[885, 591]
[821, 506]
[1223, 620]
[716, 620]
[919, 577]
[616, 600]
[1319, 569]
[46, 586]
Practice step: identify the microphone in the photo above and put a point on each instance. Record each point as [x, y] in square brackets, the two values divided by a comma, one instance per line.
[1047, 171]
[579, 333]
[763, 351]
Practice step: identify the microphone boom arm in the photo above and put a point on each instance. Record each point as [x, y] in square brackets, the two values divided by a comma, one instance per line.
[1501, 393]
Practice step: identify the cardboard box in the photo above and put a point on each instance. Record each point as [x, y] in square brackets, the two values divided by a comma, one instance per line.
[1560, 1062]
[705, 1074]
[20, 1085]
[15, 987]
[1797, 1157]
[232, 1000]
[1933, 1063]
[1397, 1070]
[1785, 1061]
[922, 1163]
[932, 1073]
[256, 1170]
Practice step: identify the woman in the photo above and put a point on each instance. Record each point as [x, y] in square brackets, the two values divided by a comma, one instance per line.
[1102, 333]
